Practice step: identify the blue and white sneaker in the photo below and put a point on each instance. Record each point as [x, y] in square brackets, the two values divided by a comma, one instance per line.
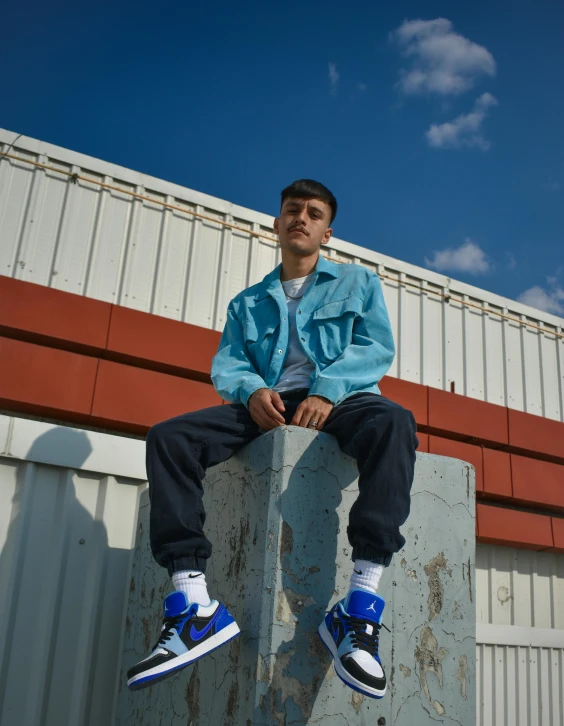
[350, 631]
[188, 633]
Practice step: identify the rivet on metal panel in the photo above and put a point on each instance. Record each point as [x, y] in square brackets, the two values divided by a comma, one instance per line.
[81, 541]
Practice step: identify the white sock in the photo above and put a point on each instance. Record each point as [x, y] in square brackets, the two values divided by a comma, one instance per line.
[366, 575]
[193, 583]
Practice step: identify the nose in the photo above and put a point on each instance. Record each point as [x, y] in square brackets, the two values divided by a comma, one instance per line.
[301, 216]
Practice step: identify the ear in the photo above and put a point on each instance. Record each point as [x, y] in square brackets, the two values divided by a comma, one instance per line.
[327, 236]
[276, 225]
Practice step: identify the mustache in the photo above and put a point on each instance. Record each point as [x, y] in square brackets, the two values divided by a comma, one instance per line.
[300, 227]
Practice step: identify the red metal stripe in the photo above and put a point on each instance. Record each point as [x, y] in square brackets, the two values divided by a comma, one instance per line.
[47, 381]
[139, 398]
[512, 528]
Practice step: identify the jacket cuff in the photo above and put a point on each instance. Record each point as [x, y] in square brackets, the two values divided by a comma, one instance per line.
[328, 389]
[248, 389]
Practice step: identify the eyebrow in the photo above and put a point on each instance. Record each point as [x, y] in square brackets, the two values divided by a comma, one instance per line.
[295, 203]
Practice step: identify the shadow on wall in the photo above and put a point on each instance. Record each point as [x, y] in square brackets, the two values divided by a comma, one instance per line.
[53, 572]
[308, 557]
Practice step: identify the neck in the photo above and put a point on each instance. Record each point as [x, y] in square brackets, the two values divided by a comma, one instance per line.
[294, 267]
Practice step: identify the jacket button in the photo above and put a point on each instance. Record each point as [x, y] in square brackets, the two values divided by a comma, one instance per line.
[299, 312]
[280, 351]
[303, 340]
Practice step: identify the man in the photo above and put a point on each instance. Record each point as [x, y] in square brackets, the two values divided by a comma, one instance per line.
[305, 347]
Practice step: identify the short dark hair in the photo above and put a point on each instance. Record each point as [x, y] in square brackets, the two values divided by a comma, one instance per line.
[310, 189]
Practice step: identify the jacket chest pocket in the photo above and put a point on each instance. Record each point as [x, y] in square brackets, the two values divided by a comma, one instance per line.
[334, 325]
[260, 338]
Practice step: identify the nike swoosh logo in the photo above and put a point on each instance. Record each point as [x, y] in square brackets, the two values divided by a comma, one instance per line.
[334, 629]
[358, 572]
[193, 576]
[196, 634]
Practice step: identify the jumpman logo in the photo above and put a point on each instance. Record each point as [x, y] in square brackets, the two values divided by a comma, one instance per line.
[372, 607]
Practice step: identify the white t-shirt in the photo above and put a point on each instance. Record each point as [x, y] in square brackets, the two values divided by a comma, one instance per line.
[297, 366]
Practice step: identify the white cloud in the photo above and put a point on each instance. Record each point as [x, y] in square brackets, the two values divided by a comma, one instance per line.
[333, 78]
[510, 261]
[469, 257]
[551, 301]
[465, 130]
[442, 61]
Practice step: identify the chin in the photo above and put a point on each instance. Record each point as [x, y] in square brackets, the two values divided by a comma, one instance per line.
[303, 247]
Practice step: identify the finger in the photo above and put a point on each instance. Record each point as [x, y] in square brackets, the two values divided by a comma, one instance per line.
[277, 401]
[296, 420]
[272, 413]
[317, 416]
[261, 418]
[266, 409]
[267, 423]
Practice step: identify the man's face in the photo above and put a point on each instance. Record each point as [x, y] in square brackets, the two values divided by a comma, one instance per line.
[303, 225]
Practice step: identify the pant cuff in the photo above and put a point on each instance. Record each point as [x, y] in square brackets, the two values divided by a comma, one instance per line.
[365, 552]
[190, 562]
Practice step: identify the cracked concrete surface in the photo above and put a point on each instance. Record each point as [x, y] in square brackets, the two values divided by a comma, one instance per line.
[277, 515]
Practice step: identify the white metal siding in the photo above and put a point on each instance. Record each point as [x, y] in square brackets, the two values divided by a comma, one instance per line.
[182, 254]
[519, 686]
[68, 513]
[520, 634]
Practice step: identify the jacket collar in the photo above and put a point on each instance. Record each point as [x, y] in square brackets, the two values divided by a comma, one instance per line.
[272, 280]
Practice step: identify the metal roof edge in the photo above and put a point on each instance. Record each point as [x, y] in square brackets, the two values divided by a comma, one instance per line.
[216, 204]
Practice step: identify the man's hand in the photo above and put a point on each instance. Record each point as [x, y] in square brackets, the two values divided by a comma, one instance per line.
[264, 406]
[314, 408]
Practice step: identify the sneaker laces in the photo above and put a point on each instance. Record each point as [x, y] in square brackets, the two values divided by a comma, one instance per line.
[364, 640]
[170, 624]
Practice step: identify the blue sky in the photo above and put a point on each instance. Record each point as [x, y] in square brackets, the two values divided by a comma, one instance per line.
[438, 125]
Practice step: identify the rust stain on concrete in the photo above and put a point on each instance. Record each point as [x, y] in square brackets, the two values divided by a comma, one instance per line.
[462, 674]
[146, 632]
[439, 708]
[291, 604]
[436, 589]
[356, 700]
[408, 572]
[238, 541]
[193, 695]
[429, 656]
[286, 540]
[232, 702]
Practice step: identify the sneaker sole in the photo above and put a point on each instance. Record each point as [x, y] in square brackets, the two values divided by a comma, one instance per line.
[159, 673]
[343, 674]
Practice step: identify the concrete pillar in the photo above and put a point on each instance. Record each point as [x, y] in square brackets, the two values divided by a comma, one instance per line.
[277, 515]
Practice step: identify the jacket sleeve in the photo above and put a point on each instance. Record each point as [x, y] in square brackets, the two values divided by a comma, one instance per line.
[233, 375]
[366, 360]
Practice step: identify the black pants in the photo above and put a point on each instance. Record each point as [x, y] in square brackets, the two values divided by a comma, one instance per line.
[376, 432]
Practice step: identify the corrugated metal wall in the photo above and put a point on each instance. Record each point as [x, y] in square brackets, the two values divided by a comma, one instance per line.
[85, 226]
[68, 513]
[520, 634]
